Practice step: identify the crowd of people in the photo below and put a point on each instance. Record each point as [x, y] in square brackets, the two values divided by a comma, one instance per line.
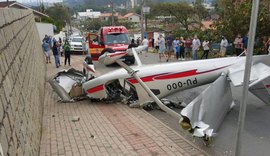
[57, 48]
[190, 46]
[165, 46]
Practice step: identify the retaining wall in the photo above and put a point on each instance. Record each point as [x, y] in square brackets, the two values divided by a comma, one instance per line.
[22, 83]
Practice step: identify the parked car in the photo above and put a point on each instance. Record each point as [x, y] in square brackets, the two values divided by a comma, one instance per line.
[215, 48]
[76, 43]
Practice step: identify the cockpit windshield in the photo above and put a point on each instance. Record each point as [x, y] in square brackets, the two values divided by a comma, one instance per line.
[118, 38]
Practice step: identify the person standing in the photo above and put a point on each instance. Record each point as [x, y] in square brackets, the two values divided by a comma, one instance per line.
[238, 44]
[169, 41]
[162, 47]
[84, 46]
[56, 54]
[132, 44]
[175, 47]
[67, 52]
[145, 42]
[157, 44]
[182, 48]
[245, 42]
[206, 47]
[153, 42]
[223, 46]
[47, 51]
[138, 40]
[196, 43]
[188, 49]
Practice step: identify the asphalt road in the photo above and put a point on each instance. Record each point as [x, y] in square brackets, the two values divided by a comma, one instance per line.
[256, 140]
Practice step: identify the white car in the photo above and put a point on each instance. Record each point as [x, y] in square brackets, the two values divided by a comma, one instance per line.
[76, 43]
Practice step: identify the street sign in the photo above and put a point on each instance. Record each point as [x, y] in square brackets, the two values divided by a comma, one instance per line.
[146, 10]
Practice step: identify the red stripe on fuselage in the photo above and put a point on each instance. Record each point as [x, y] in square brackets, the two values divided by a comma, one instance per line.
[95, 89]
[267, 86]
[167, 76]
[144, 79]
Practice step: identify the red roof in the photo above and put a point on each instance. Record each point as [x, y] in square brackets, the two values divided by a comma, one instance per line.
[130, 14]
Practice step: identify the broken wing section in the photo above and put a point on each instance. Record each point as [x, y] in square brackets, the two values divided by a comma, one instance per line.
[258, 71]
[204, 114]
[259, 80]
[261, 89]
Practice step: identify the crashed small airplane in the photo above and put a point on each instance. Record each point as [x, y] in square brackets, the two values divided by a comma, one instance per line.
[142, 84]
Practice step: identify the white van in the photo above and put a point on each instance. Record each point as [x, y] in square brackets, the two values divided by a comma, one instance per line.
[76, 43]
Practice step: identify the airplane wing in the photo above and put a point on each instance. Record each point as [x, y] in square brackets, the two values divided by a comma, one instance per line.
[203, 116]
[259, 80]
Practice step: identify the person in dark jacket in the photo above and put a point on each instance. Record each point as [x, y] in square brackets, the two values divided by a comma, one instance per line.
[56, 54]
[132, 44]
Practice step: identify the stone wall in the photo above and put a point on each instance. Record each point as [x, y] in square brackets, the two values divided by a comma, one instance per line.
[22, 83]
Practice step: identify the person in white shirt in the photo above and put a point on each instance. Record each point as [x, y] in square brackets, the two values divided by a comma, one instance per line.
[206, 47]
[223, 46]
[174, 46]
[162, 47]
[145, 42]
[196, 43]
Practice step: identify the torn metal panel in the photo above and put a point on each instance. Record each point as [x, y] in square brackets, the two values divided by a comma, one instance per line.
[64, 82]
[204, 114]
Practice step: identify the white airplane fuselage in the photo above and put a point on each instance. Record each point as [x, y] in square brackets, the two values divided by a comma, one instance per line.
[165, 79]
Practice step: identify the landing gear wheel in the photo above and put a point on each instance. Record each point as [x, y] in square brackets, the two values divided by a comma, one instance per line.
[207, 140]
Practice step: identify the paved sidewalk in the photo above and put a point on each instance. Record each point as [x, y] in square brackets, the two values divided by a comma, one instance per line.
[105, 129]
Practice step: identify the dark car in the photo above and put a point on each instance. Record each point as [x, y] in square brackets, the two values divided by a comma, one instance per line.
[215, 48]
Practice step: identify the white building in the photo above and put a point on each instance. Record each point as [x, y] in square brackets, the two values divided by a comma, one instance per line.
[133, 17]
[88, 14]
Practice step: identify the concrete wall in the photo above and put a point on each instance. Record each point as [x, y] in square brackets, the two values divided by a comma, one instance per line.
[44, 29]
[22, 83]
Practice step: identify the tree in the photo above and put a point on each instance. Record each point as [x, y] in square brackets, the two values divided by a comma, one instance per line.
[182, 13]
[60, 14]
[235, 18]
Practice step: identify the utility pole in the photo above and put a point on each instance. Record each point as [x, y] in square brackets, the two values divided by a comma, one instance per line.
[142, 20]
[243, 104]
[111, 3]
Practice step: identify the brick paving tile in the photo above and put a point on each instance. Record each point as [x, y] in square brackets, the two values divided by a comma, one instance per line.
[105, 129]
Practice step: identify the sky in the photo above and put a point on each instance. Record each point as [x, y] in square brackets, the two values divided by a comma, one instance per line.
[32, 1]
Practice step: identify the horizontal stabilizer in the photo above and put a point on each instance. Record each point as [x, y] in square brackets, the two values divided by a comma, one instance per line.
[258, 71]
[261, 89]
[205, 113]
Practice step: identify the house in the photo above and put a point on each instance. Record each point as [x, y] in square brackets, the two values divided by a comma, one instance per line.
[13, 4]
[133, 17]
[107, 16]
[88, 14]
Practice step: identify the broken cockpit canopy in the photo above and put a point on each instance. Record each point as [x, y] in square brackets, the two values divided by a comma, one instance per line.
[68, 84]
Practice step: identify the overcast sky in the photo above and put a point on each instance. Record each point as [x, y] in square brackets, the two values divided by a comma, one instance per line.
[33, 1]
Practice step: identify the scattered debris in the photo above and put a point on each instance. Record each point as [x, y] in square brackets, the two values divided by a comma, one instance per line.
[169, 103]
[75, 119]
[92, 136]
